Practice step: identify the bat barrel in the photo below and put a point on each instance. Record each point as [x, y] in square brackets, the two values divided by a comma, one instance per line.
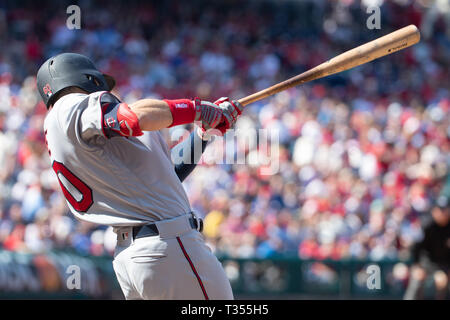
[369, 51]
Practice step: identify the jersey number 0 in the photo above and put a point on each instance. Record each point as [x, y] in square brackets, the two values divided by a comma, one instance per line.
[86, 200]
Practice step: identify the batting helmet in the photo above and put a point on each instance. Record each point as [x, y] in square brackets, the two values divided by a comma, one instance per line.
[70, 70]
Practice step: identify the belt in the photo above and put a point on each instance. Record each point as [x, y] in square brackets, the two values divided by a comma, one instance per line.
[149, 230]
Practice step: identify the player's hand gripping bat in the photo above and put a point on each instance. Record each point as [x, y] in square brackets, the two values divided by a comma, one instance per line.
[369, 51]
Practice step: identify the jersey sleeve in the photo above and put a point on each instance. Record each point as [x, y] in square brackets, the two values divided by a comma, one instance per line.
[91, 126]
[80, 118]
[92, 119]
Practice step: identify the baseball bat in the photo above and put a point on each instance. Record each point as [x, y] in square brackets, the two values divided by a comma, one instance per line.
[390, 43]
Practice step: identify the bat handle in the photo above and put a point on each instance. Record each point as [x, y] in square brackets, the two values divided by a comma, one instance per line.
[249, 99]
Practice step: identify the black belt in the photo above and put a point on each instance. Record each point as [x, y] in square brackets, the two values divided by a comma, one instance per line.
[149, 230]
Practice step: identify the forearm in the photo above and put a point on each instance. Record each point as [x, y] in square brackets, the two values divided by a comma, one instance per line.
[188, 154]
[152, 114]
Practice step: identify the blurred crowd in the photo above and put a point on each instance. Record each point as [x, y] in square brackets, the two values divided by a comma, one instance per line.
[362, 155]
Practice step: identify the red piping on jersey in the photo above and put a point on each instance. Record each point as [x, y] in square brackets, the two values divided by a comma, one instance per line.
[193, 268]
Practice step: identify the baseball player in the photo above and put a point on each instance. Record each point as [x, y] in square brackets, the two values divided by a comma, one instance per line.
[109, 176]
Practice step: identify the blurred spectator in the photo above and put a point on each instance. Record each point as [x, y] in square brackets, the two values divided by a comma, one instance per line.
[431, 255]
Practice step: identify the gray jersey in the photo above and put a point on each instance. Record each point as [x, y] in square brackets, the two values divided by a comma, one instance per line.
[119, 181]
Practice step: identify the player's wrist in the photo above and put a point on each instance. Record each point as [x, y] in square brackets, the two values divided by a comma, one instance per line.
[183, 111]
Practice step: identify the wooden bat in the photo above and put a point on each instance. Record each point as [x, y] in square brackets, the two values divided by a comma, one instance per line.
[369, 51]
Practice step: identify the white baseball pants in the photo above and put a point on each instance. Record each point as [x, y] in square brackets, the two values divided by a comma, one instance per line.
[176, 264]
